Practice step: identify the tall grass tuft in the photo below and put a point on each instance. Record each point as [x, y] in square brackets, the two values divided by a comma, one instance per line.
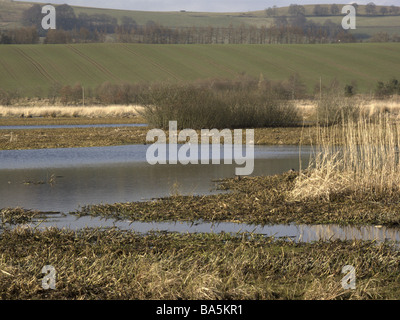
[358, 159]
[335, 108]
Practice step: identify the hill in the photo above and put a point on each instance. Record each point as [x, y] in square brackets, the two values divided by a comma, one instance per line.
[367, 24]
[32, 69]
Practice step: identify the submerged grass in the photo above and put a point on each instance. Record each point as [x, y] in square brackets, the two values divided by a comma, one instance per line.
[111, 264]
[12, 216]
[254, 200]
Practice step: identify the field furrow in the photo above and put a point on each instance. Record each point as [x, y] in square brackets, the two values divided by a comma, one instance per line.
[35, 68]
[152, 62]
[93, 62]
[35, 64]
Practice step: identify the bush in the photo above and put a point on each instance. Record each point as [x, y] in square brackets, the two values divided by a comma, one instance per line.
[385, 90]
[5, 97]
[199, 108]
[66, 94]
[124, 93]
[349, 90]
[190, 107]
[335, 105]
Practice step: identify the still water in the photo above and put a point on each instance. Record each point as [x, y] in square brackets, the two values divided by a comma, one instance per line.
[297, 233]
[62, 180]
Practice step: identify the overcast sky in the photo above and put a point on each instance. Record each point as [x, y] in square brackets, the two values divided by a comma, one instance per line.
[204, 5]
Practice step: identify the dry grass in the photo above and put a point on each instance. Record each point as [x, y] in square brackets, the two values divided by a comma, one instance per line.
[71, 137]
[357, 159]
[376, 107]
[253, 200]
[10, 216]
[111, 264]
[368, 107]
[70, 111]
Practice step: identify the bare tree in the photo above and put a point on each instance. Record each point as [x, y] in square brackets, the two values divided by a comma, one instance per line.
[383, 10]
[370, 8]
[335, 9]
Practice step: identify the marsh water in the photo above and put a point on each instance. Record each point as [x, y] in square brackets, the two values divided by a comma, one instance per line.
[293, 232]
[63, 180]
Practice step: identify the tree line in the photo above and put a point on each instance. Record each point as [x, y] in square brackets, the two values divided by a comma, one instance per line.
[72, 28]
[98, 27]
[371, 9]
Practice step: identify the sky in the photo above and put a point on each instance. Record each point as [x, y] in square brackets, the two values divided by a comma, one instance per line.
[205, 5]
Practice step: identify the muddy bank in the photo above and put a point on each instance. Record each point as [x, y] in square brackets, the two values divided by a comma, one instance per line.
[99, 137]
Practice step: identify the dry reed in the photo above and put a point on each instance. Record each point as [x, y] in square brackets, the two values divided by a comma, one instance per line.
[356, 159]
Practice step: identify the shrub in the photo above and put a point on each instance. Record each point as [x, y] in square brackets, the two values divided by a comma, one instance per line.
[5, 97]
[199, 108]
[66, 94]
[123, 93]
[349, 90]
[334, 105]
[190, 107]
[384, 90]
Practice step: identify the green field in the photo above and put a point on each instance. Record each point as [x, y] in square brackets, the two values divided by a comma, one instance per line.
[32, 69]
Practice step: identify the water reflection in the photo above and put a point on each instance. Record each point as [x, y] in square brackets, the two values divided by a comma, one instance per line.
[83, 176]
[297, 233]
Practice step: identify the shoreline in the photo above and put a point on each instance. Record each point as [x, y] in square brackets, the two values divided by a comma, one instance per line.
[18, 139]
[258, 200]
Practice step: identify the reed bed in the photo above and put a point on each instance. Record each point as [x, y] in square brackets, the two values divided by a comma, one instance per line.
[357, 159]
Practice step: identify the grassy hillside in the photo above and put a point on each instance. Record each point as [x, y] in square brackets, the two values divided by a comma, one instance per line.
[11, 13]
[32, 69]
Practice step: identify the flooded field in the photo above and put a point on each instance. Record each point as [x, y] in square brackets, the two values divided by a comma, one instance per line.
[293, 232]
[63, 179]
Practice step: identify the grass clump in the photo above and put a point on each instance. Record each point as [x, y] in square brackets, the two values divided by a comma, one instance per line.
[335, 108]
[13, 216]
